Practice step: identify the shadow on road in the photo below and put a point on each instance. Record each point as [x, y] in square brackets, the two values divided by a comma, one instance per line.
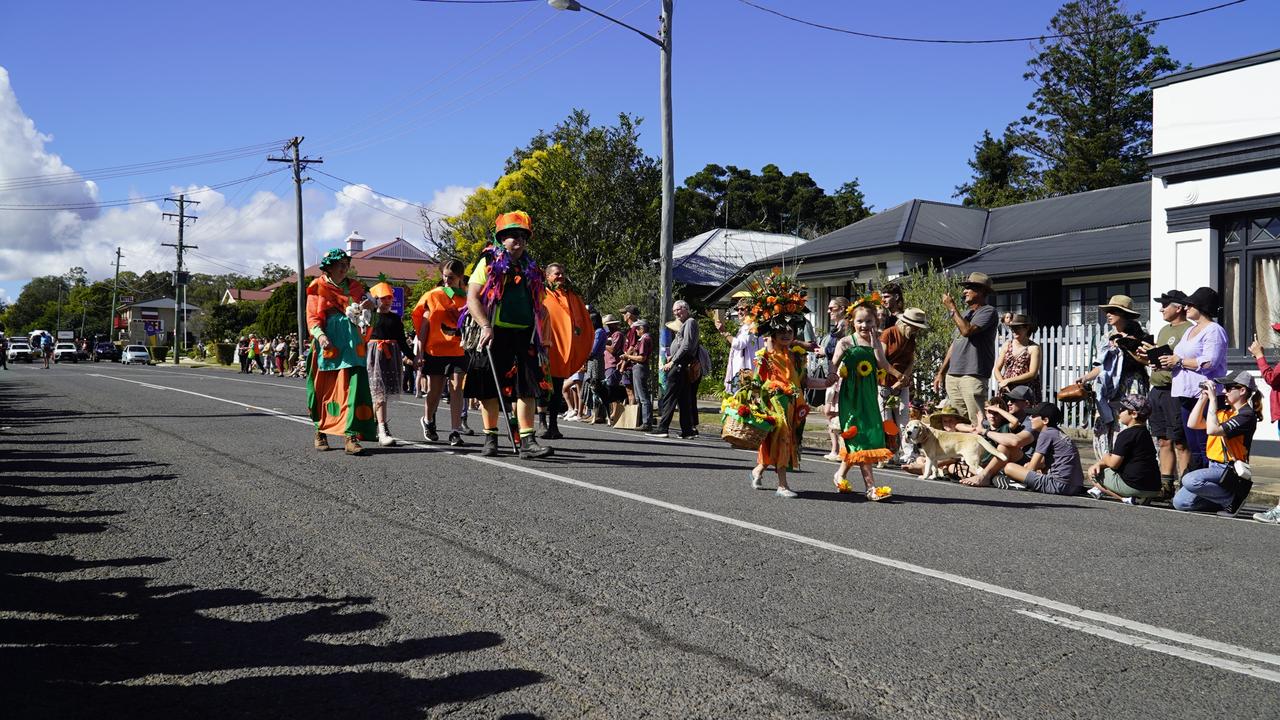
[95, 637]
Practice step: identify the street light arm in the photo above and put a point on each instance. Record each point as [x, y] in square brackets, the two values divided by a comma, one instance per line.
[574, 5]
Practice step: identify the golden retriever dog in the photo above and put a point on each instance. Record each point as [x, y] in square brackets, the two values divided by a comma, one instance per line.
[939, 445]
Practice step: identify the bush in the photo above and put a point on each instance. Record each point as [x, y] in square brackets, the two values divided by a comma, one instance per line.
[923, 287]
[159, 353]
[224, 353]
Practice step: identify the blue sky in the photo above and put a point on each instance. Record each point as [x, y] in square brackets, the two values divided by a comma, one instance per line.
[425, 101]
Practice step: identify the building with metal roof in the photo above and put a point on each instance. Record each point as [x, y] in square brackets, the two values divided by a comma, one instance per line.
[708, 259]
[1056, 258]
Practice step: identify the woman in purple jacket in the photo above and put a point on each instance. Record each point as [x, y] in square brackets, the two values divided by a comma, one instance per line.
[1200, 356]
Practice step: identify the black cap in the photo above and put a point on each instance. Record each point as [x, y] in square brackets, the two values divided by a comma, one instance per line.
[1173, 296]
[1048, 411]
[1205, 299]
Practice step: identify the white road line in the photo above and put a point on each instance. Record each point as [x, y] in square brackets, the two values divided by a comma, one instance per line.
[1153, 646]
[985, 587]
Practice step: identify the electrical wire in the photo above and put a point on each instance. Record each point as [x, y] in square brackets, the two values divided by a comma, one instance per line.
[382, 194]
[219, 233]
[384, 211]
[424, 120]
[942, 41]
[73, 176]
[396, 107]
[454, 80]
[132, 201]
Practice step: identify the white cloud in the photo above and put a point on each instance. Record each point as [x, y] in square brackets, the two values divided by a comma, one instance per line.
[239, 228]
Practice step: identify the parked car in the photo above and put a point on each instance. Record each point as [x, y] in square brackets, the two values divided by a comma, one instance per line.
[135, 354]
[65, 351]
[20, 350]
[106, 350]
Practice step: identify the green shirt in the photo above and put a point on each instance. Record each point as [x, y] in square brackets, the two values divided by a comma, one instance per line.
[1169, 335]
[515, 309]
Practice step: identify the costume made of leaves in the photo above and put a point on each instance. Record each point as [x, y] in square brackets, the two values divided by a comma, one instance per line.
[781, 374]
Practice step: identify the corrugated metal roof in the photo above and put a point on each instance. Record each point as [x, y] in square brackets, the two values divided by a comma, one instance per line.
[713, 256]
[1083, 250]
[879, 230]
[947, 225]
[1108, 207]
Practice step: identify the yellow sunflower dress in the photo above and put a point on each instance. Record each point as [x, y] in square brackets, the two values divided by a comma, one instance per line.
[862, 429]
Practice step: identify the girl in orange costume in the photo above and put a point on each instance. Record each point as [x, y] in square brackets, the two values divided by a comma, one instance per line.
[337, 381]
[781, 369]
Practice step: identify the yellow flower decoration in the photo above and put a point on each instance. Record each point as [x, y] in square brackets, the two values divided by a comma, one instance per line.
[843, 372]
[881, 374]
[864, 368]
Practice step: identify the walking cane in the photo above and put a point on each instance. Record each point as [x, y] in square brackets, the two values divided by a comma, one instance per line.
[512, 430]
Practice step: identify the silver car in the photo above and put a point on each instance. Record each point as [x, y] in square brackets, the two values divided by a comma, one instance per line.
[135, 354]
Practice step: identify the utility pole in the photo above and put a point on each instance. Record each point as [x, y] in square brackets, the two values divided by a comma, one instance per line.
[667, 234]
[179, 277]
[111, 326]
[299, 164]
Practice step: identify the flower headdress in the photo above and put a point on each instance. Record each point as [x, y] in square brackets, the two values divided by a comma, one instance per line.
[871, 300]
[777, 301]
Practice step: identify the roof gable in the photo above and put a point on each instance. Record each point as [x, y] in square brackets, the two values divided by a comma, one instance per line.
[398, 249]
[712, 257]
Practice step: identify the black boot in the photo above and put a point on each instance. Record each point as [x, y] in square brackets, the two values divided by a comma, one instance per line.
[531, 450]
[490, 444]
[553, 429]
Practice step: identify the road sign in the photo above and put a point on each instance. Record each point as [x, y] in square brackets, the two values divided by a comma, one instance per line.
[153, 327]
[126, 299]
[66, 335]
[397, 304]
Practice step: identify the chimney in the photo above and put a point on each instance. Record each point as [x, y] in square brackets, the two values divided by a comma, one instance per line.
[355, 243]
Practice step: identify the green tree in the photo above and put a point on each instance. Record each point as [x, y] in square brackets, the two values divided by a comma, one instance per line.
[923, 287]
[228, 322]
[772, 201]
[278, 315]
[1090, 121]
[1001, 175]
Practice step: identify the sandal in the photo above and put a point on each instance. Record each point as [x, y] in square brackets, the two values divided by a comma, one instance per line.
[874, 495]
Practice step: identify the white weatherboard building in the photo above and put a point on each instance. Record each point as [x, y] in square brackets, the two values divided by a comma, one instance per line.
[1215, 199]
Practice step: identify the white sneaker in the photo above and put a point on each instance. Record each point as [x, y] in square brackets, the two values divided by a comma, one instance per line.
[384, 437]
[756, 483]
[1095, 493]
[570, 417]
[831, 456]
[1270, 517]
[786, 493]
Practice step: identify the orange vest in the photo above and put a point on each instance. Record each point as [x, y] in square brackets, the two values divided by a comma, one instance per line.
[566, 331]
[443, 312]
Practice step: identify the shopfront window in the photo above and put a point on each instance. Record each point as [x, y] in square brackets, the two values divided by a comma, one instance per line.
[1080, 306]
[1251, 279]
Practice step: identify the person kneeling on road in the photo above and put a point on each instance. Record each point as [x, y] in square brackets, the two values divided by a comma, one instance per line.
[1230, 432]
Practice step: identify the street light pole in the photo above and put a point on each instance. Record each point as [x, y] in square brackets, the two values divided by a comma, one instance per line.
[667, 236]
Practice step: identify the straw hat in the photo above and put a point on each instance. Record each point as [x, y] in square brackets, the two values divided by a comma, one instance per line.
[1122, 304]
[915, 317]
[609, 320]
[935, 418]
[977, 279]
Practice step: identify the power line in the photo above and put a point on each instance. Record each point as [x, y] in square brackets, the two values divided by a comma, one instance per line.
[423, 120]
[898, 38]
[394, 108]
[382, 194]
[384, 211]
[132, 201]
[72, 176]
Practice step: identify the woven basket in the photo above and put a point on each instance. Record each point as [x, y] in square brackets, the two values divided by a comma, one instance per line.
[741, 435]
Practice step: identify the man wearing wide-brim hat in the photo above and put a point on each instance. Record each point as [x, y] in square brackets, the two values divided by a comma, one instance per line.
[967, 367]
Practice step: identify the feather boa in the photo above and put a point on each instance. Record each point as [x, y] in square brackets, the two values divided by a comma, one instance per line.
[499, 267]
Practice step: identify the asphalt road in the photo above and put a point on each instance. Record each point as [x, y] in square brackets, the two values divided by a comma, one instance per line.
[171, 546]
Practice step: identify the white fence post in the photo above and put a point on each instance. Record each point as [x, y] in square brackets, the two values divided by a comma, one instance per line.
[1066, 353]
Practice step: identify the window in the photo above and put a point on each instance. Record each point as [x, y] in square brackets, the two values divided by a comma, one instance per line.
[1011, 301]
[1250, 279]
[1082, 301]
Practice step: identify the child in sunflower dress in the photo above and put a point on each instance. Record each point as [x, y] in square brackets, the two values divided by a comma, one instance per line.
[781, 370]
[858, 357]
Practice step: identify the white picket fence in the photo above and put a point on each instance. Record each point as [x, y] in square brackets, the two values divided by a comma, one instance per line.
[1066, 353]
